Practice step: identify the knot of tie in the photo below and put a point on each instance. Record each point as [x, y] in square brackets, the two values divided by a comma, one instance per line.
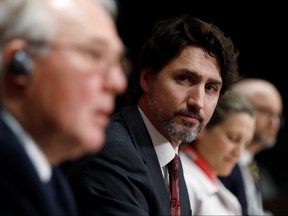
[173, 169]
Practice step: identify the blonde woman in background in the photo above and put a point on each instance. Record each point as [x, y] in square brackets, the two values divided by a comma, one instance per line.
[215, 152]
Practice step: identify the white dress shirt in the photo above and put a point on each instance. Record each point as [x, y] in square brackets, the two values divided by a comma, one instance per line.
[206, 197]
[164, 149]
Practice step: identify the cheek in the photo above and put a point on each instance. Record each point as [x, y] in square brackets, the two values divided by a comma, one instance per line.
[91, 84]
[221, 148]
[78, 93]
[226, 145]
[64, 92]
[213, 146]
[209, 109]
[165, 95]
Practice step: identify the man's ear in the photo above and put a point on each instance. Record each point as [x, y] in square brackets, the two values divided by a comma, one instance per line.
[145, 77]
[15, 58]
[16, 62]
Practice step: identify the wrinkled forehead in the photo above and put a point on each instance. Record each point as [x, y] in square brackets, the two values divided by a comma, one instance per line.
[85, 21]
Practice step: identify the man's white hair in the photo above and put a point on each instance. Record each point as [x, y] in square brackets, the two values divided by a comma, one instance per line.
[30, 20]
[111, 6]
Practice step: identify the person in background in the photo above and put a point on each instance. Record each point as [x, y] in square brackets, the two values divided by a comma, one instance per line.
[267, 102]
[214, 153]
[185, 66]
[60, 65]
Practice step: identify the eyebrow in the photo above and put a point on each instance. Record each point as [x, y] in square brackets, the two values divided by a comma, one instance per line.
[95, 40]
[217, 82]
[199, 76]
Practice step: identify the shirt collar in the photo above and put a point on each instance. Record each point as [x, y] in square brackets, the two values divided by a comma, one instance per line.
[200, 161]
[164, 150]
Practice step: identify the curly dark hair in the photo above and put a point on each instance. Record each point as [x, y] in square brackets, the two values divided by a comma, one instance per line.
[168, 39]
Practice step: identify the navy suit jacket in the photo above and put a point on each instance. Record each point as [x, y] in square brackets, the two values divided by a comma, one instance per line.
[125, 177]
[234, 182]
[21, 190]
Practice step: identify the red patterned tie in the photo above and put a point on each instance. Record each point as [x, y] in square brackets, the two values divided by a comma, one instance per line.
[173, 168]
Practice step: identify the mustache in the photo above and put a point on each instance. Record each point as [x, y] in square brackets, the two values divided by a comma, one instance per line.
[191, 112]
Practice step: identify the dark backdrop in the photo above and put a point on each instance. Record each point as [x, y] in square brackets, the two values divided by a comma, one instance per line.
[258, 31]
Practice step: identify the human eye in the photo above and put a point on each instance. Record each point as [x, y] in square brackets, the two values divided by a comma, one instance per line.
[234, 138]
[93, 53]
[212, 88]
[90, 52]
[238, 140]
[184, 79]
[98, 56]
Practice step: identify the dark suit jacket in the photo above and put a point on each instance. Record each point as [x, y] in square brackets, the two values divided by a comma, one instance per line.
[234, 182]
[125, 177]
[21, 191]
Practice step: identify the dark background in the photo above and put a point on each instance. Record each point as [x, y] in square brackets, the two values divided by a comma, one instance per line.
[258, 31]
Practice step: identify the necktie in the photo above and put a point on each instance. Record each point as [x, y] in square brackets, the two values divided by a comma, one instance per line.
[173, 169]
[254, 171]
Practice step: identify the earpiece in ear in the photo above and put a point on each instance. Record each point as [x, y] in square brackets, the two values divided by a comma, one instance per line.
[20, 63]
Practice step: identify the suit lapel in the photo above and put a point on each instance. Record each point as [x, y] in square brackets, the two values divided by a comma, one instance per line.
[144, 146]
[22, 174]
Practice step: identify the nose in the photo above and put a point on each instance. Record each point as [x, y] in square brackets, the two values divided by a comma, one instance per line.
[237, 151]
[116, 81]
[196, 97]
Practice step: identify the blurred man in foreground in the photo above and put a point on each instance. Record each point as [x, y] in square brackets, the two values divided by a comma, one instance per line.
[60, 73]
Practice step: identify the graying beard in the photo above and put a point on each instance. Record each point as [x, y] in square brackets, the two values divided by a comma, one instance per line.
[185, 135]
